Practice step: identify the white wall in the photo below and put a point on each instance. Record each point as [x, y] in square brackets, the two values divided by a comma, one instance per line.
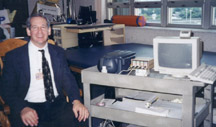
[146, 34]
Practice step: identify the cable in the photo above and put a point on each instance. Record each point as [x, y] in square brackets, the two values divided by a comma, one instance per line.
[106, 122]
[123, 71]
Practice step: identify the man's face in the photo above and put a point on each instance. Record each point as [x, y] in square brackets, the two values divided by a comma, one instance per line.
[39, 31]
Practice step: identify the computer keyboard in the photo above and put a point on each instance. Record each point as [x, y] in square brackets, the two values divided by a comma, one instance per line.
[204, 73]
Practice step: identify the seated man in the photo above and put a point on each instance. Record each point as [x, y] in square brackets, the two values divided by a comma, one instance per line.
[34, 77]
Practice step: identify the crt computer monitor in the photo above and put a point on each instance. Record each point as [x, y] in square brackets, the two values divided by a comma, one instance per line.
[176, 56]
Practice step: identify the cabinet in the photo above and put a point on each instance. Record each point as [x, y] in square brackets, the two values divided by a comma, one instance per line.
[66, 35]
[115, 35]
[63, 38]
[164, 88]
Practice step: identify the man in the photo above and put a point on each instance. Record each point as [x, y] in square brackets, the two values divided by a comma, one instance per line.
[34, 77]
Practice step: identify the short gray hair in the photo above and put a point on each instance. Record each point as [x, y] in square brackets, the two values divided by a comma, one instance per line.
[28, 23]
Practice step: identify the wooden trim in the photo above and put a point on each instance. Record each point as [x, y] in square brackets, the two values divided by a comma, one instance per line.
[4, 120]
[3, 114]
[75, 69]
[88, 30]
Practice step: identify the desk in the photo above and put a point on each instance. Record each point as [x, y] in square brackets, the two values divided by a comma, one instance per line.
[65, 35]
[81, 58]
[89, 28]
[186, 89]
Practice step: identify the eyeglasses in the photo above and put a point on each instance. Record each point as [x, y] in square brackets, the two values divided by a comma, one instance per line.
[36, 28]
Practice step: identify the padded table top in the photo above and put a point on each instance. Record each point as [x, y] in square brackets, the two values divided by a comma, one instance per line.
[87, 57]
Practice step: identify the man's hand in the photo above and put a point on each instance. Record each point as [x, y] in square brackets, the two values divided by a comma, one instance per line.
[80, 111]
[29, 117]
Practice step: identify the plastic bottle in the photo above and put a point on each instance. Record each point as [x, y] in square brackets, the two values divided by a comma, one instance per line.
[104, 69]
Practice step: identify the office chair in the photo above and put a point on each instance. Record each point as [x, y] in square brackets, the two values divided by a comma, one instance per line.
[9, 45]
[85, 15]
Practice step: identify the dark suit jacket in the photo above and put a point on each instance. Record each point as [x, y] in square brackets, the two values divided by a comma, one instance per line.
[16, 76]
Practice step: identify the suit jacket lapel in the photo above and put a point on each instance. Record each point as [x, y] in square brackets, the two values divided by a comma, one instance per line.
[55, 61]
[25, 63]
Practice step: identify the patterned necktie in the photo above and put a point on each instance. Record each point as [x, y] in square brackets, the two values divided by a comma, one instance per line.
[47, 79]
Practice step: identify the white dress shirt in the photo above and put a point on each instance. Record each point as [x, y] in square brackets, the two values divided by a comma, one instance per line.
[36, 91]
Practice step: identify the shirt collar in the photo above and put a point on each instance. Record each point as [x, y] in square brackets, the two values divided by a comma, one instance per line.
[35, 48]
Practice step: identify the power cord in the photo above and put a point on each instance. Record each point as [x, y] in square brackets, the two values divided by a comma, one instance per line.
[107, 123]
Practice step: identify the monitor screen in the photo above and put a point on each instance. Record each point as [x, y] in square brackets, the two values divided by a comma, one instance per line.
[176, 56]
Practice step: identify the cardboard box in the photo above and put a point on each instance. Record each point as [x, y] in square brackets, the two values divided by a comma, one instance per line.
[4, 17]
